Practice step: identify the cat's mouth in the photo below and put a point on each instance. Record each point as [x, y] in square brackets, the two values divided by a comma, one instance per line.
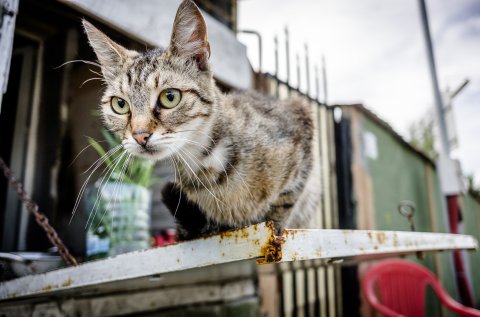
[150, 152]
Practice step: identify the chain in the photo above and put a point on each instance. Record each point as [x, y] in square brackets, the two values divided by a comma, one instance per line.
[41, 219]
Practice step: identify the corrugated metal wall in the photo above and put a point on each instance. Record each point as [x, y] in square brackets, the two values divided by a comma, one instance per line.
[470, 207]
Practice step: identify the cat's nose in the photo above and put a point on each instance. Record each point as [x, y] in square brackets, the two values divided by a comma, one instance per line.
[141, 137]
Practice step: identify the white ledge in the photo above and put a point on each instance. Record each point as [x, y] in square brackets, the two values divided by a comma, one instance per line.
[253, 242]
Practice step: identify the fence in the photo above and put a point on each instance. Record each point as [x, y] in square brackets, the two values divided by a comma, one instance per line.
[306, 288]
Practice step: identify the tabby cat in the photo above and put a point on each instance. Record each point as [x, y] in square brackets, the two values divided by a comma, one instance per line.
[239, 158]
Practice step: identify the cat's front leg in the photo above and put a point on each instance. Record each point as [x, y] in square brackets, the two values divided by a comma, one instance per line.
[281, 210]
[190, 220]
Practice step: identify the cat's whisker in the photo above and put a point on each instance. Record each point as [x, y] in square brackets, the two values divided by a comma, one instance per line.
[236, 171]
[104, 157]
[84, 186]
[79, 61]
[94, 72]
[90, 79]
[242, 180]
[209, 151]
[122, 155]
[108, 175]
[188, 174]
[79, 153]
[105, 172]
[198, 164]
[82, 150]
[123, 172]
[206, 188]
[189, 154]
[185, 163]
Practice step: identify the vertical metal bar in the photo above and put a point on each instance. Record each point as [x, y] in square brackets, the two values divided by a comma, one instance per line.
[275, 39]
[324, 75]
[311, 292]
[331, 284]
[299, 78]
[288, 290]
[260, 46]
[317, 84]
[307, 69]
[445, 148]
[287, 54]
[300, 298]
[322, 291]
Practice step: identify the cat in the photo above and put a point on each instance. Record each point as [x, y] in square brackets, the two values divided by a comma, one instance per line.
[238, 158]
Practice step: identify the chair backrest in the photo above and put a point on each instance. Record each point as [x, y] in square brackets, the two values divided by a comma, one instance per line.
[400, 286]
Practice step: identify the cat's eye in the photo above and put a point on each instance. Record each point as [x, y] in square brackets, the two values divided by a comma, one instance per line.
[119, 105]
[169, 98]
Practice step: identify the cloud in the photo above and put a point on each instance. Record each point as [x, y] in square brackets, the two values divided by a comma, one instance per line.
[375, 54]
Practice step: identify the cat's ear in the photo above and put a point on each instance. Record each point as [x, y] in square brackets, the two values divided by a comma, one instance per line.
[110, 54]
[189, 36]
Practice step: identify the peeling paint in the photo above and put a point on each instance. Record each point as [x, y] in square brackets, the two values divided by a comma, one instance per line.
[381, 237]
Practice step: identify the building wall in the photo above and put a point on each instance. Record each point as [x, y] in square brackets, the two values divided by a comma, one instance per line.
[388, 171]
[471, 225]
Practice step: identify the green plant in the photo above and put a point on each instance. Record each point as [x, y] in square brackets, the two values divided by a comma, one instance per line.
[137, 171]
[422, 136]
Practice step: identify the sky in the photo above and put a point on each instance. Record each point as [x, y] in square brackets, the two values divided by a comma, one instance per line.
[375, 54]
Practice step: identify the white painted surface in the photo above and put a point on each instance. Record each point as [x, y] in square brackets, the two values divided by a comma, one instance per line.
[150, 21]
[450, 175]
[336, 245]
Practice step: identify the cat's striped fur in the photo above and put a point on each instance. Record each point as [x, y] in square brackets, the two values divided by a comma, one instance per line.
[239, 158]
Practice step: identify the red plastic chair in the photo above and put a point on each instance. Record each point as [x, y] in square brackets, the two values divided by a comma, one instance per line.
[401, 286]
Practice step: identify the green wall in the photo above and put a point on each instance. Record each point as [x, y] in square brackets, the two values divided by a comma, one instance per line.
[399, 173]
[471, 225]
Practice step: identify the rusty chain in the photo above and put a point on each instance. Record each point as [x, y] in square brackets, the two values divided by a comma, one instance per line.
[41, 219]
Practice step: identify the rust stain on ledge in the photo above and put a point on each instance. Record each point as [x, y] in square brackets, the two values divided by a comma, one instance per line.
[381, 237]
[67, 282]
[272, 250]
[242, 233]
[49, 287]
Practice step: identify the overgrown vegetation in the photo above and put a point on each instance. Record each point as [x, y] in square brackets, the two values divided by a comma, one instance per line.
[472, 188]
[422, 137]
